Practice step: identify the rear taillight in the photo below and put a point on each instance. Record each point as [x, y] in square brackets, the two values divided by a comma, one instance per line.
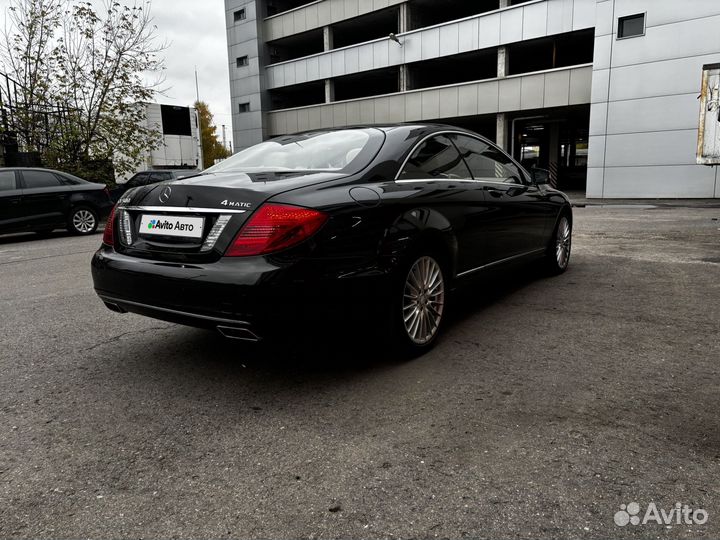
[108, 236]
[274, 227]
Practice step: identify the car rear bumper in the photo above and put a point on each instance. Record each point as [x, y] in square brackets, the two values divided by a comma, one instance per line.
[244, 298]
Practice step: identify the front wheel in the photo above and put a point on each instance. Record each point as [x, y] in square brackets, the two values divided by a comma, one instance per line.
[558, 255]
[82, 220]
[420, 313]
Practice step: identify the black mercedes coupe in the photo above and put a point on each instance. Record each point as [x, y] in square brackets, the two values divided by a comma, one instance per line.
[370, 225]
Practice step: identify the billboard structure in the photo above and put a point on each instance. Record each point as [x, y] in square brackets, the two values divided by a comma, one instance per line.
[708, 150]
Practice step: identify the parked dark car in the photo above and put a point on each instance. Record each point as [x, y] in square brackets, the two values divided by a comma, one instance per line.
[378, 223]
[145, 178]
[41, 200]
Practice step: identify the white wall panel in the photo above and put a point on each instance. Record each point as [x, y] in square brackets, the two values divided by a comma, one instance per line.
[510, 91]
[535, 21]
[467, 99]
[511, 25]
[487, 30]
[353, 113]
[690, 38]
[431, 104]
[580, 85]
[557, 89]
[679, 76]
[316, 15]
[595, 182]
[430, 43]
[382, 108]
[583, 14]
[448, 102]
[689, 181]
[449, 40]
[656, 148]
[560, 16]
[468, 35]
[487, 97]
[653, 114]
[532, 92]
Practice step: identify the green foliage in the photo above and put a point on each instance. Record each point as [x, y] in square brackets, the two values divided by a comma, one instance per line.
[100, 171]
[94, 63]
[212, 148]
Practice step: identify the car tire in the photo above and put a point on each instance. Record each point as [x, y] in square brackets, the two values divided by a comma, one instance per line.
[82, 220]
[420, 304]
[558, 253]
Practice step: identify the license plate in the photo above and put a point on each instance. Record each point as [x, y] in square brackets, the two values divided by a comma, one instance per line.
[182, 226]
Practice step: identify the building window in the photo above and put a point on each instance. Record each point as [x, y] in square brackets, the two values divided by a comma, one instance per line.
[631, 26]
[242, 61]
[240, 15]
[244, 107]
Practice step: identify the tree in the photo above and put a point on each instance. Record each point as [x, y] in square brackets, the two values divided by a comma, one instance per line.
[212, 148]
[100, 60]
[94, 62]
[26, 54]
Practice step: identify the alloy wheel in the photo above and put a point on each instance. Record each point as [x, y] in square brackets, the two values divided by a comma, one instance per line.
[83, 221]
[423, 300]
[563, 243]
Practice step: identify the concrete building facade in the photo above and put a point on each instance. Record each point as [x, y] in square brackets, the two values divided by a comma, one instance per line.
[600, 92]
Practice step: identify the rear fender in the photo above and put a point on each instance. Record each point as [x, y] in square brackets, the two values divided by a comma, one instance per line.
[420, 230]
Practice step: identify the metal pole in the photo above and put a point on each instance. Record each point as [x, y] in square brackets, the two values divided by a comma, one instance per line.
[197, 85]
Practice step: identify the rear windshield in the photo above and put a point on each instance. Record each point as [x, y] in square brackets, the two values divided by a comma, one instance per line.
[318, 151]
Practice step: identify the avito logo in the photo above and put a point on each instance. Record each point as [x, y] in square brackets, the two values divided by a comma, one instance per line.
[170, 226]
[680, 514]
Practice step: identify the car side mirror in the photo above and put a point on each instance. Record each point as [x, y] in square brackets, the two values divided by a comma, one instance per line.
[540, 176]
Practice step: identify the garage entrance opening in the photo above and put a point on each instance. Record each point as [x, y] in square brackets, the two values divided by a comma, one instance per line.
[557, 142]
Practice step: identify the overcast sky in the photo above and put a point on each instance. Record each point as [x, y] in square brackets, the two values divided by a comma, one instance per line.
[196, 32]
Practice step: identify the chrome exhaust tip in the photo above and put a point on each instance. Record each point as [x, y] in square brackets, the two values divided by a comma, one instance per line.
[242, 334]
[114, 307]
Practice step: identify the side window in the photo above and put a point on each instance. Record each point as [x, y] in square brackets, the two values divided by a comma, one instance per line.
[67, 180]
[137, 180]
[487, 162]
[435, 158]
[159, 177]
[40, 179]
[7, 180]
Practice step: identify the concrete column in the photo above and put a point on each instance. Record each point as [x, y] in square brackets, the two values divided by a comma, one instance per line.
[501, 134]
[328, 46]
[501, 137]
[329, 90]
[404, 18]
[328, 38]
[554, 153]
[502, 62]
[405, 83]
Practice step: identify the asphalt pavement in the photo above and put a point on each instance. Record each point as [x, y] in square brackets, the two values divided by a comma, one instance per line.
[547, 404]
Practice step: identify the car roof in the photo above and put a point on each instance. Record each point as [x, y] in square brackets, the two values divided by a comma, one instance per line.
[422, 128]
[166, 171]
[32, 169]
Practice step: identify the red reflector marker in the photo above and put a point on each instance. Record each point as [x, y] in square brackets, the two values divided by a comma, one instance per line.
[108, 237]
[274, 227]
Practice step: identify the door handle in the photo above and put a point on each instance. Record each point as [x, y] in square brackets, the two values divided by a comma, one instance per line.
[495, 192]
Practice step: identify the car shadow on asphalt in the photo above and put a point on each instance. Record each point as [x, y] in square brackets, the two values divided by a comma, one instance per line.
[334, 350]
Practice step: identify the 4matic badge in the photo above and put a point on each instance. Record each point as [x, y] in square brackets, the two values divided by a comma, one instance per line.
[235, 204]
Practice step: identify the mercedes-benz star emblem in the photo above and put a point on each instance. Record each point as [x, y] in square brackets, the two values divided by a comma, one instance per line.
[165, 194]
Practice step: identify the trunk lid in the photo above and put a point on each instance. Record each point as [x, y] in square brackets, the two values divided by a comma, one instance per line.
[195, 219]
